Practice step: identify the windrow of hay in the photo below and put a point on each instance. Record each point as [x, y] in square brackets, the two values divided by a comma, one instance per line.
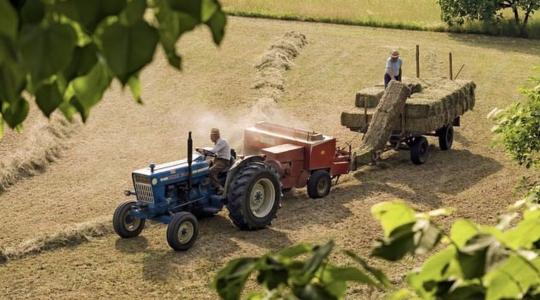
[29, 152]
[433, 104]
[269, 81]
[76, 235]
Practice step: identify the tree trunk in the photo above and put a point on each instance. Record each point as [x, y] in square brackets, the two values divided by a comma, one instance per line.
[516, 14]
[523, 29]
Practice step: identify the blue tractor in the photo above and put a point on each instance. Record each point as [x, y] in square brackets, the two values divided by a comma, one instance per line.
[180, 192]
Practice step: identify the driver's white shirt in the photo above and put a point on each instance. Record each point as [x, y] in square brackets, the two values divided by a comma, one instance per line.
[222, 149]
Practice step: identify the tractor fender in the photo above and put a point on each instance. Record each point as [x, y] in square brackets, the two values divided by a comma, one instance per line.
[238, 165]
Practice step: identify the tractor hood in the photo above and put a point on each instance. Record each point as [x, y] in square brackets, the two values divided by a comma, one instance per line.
[172, 170]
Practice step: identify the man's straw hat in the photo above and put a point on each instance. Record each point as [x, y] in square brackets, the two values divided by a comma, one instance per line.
[214, 131]
[395, 53]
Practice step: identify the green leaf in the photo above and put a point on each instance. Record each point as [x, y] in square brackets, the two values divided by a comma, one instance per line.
[378, 274]
[89, 89]
[332, 274]
[12, 81]
[14, 113]
[402, 294]
[32, 11]
[526, 233]
[8, 19]
[462, 230]
[1, 125]
[217, 26]
[83, 60]
[426, 236]
[229, 281]
[295, 250]
[396, 246]
[314, 263]
[433, 270]
[133, 12]
[479, 255]
[46, 50]
[313, 292]
[127, 49]
[48, 98]
[392, 215]
[90, 13]
[201, 10]
[172, 25]
[519, 270]
[135, 87]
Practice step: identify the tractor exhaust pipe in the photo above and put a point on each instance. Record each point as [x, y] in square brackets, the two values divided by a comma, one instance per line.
[189, 160]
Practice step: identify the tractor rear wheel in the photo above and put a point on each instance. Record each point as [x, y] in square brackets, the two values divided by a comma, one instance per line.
[319, 184]
[419, 150]
[125, 225]
[254, 196]
[182, 231]
[446, 137]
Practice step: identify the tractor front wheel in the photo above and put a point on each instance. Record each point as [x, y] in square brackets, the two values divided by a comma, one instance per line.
[124, 224]
[182, 231]
[253, 197]
[319, 184]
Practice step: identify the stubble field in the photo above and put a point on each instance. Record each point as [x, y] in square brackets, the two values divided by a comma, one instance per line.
[86, 183]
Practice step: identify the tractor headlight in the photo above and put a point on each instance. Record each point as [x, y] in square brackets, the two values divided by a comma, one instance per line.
[154, 181]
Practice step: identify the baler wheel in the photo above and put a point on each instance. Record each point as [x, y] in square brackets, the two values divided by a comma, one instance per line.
[124, 225]
[254, 196]
[419, 150]
[182, 231]
[319, 184]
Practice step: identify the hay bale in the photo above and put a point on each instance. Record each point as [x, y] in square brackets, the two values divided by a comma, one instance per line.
[390, 107]
[357, 119]
[438, 103]
[369, 97]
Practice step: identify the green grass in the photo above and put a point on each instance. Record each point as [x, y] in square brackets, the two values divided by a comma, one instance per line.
[406, 14]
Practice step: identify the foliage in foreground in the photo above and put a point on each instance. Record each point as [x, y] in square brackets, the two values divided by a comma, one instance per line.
[458, 11]
[67, 52]
[518, 127]
[475, 261]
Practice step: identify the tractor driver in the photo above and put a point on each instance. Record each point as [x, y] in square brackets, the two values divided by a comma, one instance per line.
[222, 158]
[393, 68]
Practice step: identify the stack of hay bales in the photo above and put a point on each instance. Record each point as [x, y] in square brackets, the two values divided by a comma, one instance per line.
[433, 104]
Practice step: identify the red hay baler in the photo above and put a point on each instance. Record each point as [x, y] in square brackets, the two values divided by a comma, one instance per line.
[301, 157]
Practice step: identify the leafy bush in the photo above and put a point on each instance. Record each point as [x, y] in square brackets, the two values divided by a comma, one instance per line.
[458, 11]
[66, 53]
[475, 262]
[518, 128]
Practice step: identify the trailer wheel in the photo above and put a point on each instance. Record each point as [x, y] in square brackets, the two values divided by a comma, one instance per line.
[125, 225]
[319, 184]
[254, 196]
[446, 137]
[419, 150]
[182, 231]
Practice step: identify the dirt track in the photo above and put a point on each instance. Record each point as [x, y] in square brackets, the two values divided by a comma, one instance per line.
[87, 182]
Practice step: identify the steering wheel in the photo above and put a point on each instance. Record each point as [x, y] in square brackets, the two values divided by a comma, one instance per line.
[205, 152]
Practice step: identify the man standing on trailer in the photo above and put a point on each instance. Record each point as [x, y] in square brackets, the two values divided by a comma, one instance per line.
[222, 160]
[393, 68]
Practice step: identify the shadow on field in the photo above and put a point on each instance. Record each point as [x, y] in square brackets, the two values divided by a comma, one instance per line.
[519, 45]
[446, 172]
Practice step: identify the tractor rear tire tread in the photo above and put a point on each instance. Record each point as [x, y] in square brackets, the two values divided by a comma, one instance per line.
[237, 203]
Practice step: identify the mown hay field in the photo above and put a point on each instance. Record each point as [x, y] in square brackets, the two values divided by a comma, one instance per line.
[215, 89]
[409, 14]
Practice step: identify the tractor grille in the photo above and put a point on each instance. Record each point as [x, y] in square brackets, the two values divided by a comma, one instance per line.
[144, 192]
